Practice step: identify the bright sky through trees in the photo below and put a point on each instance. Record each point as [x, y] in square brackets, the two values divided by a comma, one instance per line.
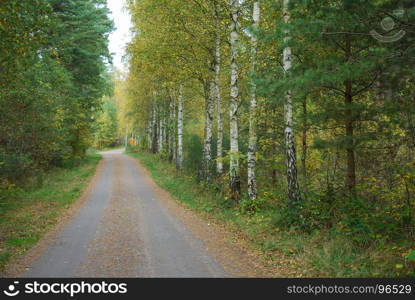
[121, 35]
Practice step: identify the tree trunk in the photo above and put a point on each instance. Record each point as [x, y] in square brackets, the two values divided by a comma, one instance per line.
[235, 184]
[305, 146]
[175, 133]
[154, 130]
[348, 100]
[166, 126]
[161, 129]
[351, 164]
[252, 146]
[149, 133]
[179, 163]
[293, 188]
[219, 145]
[126, 138]
[207, 145]
[171, 130]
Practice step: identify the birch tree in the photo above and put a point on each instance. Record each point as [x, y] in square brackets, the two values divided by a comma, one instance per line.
[207, 145]
[219, 143]
[171, 129]
[154, 129]
[179, 162]
[160, 129]
[252, 147]
[291, 156]
[235, 184]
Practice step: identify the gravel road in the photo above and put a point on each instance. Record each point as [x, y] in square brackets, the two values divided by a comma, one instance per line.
[124, 229]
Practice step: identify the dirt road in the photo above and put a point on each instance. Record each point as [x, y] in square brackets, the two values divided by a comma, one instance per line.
[126, 229]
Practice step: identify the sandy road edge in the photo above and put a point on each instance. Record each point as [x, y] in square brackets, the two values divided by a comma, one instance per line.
[17, 267]
[227, 246]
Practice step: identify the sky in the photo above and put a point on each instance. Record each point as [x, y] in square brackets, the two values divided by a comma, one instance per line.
[121, 36]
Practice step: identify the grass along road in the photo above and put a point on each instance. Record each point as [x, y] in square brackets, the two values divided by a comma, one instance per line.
[281, 252]
[29, 213]
[245, 232]
[243, 244]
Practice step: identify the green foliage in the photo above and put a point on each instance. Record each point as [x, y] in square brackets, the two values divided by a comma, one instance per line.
[411, 256]
[29, 211]
[106, 126]
[15, 166]
[321, 251]
[194, 147]
[354, 118]
[24, 25]
[251, 206]
[53, 58]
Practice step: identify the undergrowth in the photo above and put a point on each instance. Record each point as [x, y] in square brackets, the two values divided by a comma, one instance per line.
[346, 247]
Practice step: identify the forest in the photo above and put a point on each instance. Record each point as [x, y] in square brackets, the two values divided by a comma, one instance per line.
[55, 92]
[54, 73]
[294, 119]
[299, 112]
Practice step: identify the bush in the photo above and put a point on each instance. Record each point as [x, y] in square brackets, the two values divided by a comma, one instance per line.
[194, 153]
[15, 166]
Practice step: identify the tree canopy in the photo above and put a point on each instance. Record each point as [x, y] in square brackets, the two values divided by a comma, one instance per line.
[310, 101]
[54, 55]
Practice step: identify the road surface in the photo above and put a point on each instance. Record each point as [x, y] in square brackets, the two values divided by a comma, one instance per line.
[125, 230]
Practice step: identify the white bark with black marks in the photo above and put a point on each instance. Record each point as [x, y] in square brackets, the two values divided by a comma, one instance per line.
[161, 131]
[154, 130]
[233, 112]
[179, 163]
[219, 144]
[207, 144]
[292, 181]
[293, 188]
[174, 133]
[149, 133]
[252, 145]
[171, 129]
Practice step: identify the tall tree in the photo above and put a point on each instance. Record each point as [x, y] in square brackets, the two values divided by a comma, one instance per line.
[235, 183]
[209, 91]
[179, 162]
[252, 147]
[293, 188]
[219, 143]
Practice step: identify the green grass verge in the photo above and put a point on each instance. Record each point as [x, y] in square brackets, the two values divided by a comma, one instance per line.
[27, 213]
[322, 253]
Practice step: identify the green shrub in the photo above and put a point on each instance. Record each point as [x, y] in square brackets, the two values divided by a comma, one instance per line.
[15, 166]
[194, 153]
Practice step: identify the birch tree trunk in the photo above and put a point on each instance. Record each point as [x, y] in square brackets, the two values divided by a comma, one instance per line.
[171, 129]
[126, 138]
[150, 132]
[166, 126]
[160, 141]
[252, 145]
[235, 184]
[179, 163]
[174, 133]
[154, 130]
[207, 145]
[293, 188]
[219, 145]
